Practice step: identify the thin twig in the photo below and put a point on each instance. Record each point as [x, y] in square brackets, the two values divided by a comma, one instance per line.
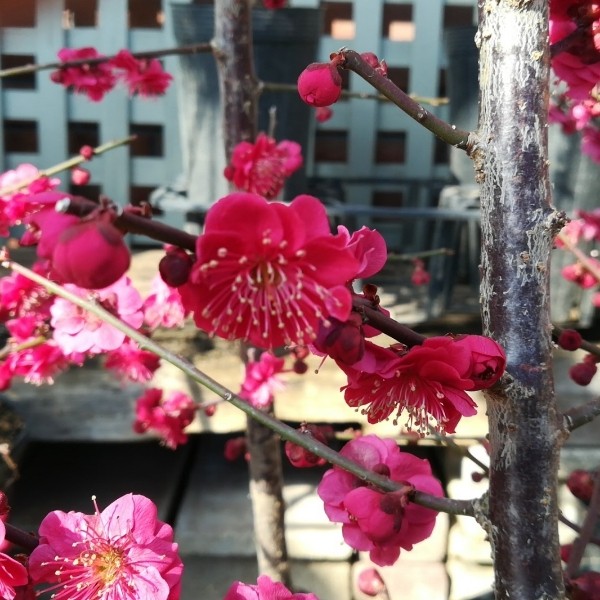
[576, 528]
[449, 133]
[33, 68]
[451, 506]
[580, 415]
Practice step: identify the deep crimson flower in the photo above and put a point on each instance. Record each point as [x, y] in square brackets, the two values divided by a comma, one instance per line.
[428, 382]
[261, 381]
[302, 458]
[369, 249]
[145, 77]
[488, 360]
[377, 522]
[175, 266]
[578, 274]
[320, 84]
[585, 587]
[123, 552]
[235, 448]
[581, 484]
[167, 416]
[419, 276]
[263, 167]
[342, 341]
[270, 284]
[265, 589]
[12, 572]
[565, 552]
[45, 228]
[569, 339]
[92, 80]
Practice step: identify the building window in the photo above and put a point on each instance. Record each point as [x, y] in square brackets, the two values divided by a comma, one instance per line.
[82, 133]
[145, 14]
[331, 146]
[391, 147]
[397, 23]
[458, 16]
[18, 13]
[149, 141]
[80, 13]
[339, 23]
[18, 82]
[138, 194]
[400, 76]
[20, 136]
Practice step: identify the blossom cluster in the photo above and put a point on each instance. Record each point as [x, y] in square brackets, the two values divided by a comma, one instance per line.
[574, 27]
[145, 77]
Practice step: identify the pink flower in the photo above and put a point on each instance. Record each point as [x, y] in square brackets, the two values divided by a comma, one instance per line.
[92, 80]
[428, 382]
[579, 275]
[369, 249]
[320, 84]
[163, 307]
[302, 458]
[262, 168]
[265, 589]
[261, 381]
[12, 572]
[129, 361]
[488, 360]
[377, 522]
[590, 142]
[145, 77]
[272, 283]
[419, 276]
[167, 416]
[123, 552]
[78, 331]
[38, 364]
[342, 341]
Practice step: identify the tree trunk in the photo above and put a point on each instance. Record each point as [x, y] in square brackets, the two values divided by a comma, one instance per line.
[239, 94]
[518, 227]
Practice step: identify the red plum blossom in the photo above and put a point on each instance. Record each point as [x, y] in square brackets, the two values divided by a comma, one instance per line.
[320, 84]
[12, 572]
[273, 282]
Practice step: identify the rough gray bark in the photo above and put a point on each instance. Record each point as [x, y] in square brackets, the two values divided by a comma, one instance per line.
[518, 226]
[239, 92]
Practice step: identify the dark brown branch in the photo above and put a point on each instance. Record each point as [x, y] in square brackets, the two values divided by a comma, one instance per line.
[449, 133]
[577, 416]
[387, 325]
[24, 540]
[577, 528]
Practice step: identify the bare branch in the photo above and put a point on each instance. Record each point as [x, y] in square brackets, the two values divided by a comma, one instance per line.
[581, 415]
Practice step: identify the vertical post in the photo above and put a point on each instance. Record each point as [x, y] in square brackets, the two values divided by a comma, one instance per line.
[518, 227]
[239, 93]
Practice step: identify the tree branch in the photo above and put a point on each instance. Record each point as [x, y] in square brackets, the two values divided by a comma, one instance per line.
[449, 133]
[456, 507]
[577, 416]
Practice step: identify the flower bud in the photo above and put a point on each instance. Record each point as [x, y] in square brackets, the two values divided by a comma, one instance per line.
[323, 113]
[569, 339]
[370, 582]
[320, 84]
[87, 152]
[581, 484]
[91, 254]
[80, 176]
[582, 373]
[175, 266]
[302, 458]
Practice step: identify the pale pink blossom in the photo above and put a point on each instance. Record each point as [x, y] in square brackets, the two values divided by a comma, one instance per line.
[79, 331]
[590, 143]
[265, 589]
[122, 553]
[163, 307]
[262, 167]
[373, 521]
[261, 381]
[166, 415]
